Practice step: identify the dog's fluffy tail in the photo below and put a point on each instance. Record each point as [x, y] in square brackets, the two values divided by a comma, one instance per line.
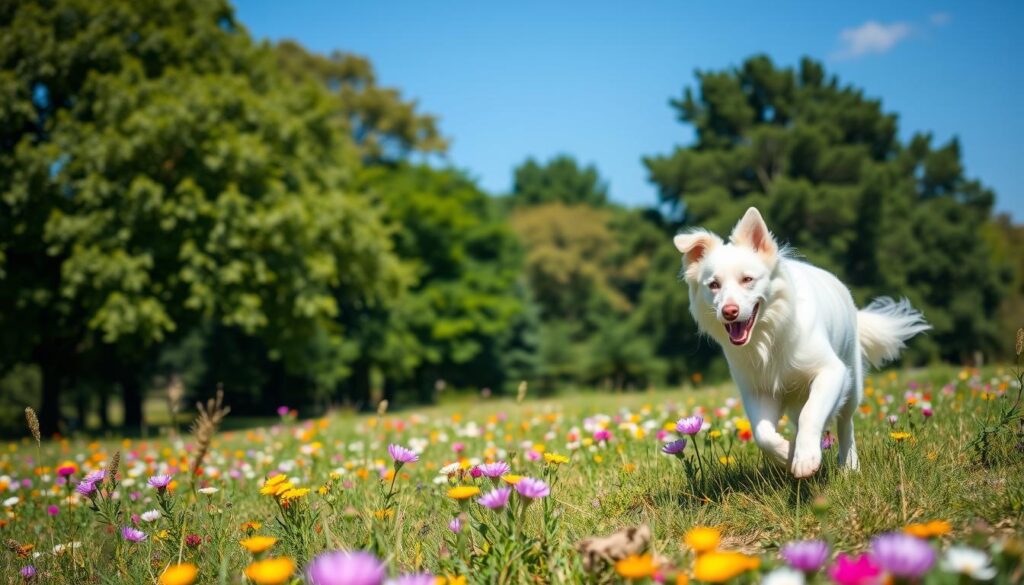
[884, 326]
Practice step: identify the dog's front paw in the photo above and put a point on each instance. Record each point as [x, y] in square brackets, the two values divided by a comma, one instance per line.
[805, 461]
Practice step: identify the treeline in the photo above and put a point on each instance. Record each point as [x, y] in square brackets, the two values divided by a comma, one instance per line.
[179, 203]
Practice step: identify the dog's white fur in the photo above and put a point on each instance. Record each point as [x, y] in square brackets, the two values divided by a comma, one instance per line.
[805, 354]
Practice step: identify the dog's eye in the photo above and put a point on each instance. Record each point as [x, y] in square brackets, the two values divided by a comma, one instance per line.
[747, 279]
[713, 285]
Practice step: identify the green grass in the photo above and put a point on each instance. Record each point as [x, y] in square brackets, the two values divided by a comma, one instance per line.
[932, 475]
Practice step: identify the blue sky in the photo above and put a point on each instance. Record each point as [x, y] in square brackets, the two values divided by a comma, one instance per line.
[593, 79]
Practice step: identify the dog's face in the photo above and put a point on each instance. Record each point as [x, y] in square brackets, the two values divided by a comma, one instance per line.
[730, 282]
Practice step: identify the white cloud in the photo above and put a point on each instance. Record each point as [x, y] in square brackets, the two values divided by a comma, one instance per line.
[872, 37]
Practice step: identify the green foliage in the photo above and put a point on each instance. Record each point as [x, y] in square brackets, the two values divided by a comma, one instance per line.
[826, 167]
[559, 180]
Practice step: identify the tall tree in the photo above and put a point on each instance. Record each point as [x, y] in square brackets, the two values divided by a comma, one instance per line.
[559, 180]
[156, 171]
[826, 166]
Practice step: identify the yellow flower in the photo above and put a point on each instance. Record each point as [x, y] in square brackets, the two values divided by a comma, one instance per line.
[251, 526]
[463, 492]
[715, 434]
[900, 436]
[450, 580]
[929, 529]
[511, 479]
[258, 544]
[270, 487]
[183, 574]
[720, 566]
[636, 567]
[742, 424]
[294, 494]
[702, 539]
[555, 458]
[384, 513]
[726, 460]
[271, 571]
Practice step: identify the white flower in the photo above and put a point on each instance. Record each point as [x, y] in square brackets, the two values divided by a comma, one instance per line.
[151, 515]
[968, 561]
[449, 469]
[783, 576]
[11, 501]
[208, 491]
[59, 548]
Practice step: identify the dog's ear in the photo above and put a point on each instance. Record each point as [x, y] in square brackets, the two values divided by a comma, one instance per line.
[694, 246]
[753, 232]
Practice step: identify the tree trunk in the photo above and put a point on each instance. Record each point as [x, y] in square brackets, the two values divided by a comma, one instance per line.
[49, 410]
[131, 390]
[104, 408]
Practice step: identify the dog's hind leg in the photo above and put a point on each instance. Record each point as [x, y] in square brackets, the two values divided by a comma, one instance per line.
[847, 444]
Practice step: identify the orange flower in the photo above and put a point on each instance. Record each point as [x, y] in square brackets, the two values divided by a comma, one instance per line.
[702, 539]
[720, 566]
[183, 574]
[258, 544]
[636, 567]
[271, 571]
[929, 529]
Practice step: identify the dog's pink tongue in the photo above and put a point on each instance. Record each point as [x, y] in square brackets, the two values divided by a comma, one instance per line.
[735, 330]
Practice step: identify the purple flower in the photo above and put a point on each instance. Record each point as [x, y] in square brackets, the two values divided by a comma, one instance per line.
[893, 419]
[401, 455]
[132, 534]
[28, 572]
[494, 470]
[827, 441]
[95, 476]
[455, 525]
[902, 555]
[495, 499]
[53, 510]
[805, 555]
[412, 579]
[160, 482]
[346, 568]
[674, 448]
[86, 488]
[475, 472]
[283, 411]
[690, 425]
[532, 489]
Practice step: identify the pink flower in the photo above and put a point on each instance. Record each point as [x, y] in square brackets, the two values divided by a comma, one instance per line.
[401, 455]
[602, 435]
[455, 525]
[494, 470]
[855, 571]
[458, 447]
[52, 510]
[827, 441]
[160, 482]
[475, 472]
[690, 425]
[283, 411]
[495, 499]
[66, 470]
[132, 534]
[532, 489]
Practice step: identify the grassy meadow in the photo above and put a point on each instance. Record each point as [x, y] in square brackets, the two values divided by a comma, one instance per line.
[329, 484]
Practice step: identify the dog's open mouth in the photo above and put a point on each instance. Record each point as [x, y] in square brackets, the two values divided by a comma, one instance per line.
[739, 331]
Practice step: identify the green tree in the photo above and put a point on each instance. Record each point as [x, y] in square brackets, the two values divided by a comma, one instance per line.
[559, 180]
[826, 167]
[156, 172]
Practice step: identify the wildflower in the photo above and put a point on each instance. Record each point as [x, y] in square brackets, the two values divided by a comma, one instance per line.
[283, 411]
[827, 441]
[494, 470]
[258, 544]
[67, 468]
[496, 499]
[854, 571]
[511, 479]
[151, 515]
[86, 488]
[28, 572]
[272, 571]
[783, 576]
[455, 525]
[251, 526]
[208, 491]
[805, 555]
[902, 555]
[702, 539]
[132, 534]
[11, 502]
[690, 425]
[968, 561]
[160, 482]
[193, 540]
[53, 510]
[95, 476]
[893, 419]
[929, 529]
[532, 488]
[463, 492]
[636, 566]
[183, 574]
[900, 436]
[602, 436]
[294, 494]
[346, 568]
[555, 459]
[720, 566]
[675, 448]
[401, 455]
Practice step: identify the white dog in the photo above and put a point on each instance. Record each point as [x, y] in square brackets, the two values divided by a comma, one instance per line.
[794, 340]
